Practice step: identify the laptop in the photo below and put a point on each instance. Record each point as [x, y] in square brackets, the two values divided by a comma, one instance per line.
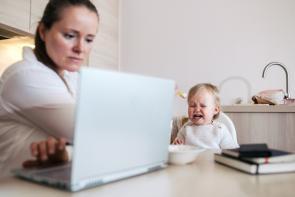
[122, 129]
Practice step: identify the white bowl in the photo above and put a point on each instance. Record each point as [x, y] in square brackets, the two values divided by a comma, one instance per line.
[182, 154]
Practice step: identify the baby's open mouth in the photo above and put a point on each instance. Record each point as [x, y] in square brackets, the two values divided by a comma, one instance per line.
[197, 116]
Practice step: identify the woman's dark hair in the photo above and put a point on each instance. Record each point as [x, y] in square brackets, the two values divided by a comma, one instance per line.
[51, 15]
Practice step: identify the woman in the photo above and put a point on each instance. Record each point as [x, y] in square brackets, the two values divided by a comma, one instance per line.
[37, 94]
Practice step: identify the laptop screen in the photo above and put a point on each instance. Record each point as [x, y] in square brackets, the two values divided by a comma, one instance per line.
[122, 123]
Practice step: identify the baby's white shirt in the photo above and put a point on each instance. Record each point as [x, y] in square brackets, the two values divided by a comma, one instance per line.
[211, 136]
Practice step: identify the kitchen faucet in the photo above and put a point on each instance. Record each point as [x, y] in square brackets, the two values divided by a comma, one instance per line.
[287, 95]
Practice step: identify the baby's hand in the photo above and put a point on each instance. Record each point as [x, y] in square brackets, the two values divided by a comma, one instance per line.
[178, 141]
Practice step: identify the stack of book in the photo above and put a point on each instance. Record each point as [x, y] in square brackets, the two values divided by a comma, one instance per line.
[257, 159]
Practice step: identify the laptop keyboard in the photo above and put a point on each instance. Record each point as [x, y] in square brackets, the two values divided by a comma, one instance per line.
[58, 173]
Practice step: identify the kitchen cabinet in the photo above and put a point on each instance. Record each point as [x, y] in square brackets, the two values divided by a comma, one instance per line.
[16, 14]
[274, 125]
[104, 53]
[37, 8]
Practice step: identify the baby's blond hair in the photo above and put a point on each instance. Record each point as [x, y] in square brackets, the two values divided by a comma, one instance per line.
[212, 89]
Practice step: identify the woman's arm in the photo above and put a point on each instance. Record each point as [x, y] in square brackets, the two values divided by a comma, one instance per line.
[41, 98]
[56, 120]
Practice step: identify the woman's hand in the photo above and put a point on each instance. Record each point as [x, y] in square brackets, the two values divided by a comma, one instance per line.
[48, 153]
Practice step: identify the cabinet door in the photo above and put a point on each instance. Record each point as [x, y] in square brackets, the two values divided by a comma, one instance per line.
[15, 13]
[275, 129]
[37, 8]
[104, 53]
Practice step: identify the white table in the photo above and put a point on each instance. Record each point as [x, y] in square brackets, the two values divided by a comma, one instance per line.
[202, 178]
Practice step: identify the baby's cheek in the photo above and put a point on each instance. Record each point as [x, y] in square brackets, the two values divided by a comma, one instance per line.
[190, 113]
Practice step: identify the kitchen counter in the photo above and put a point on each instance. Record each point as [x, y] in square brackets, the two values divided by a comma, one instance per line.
[255, 108]
[271, 124]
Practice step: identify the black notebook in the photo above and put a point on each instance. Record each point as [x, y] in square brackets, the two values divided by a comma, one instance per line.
[249, 151]
[277, 156]
[255, 168]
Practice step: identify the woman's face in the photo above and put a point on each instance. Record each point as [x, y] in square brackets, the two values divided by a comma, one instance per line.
[69, 40]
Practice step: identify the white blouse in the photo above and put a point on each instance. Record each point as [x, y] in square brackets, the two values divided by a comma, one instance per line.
[34, 103]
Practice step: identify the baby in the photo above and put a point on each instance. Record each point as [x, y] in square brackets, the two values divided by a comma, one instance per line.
[201, 130]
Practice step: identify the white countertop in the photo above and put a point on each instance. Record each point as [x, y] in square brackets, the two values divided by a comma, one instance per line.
[240, 108]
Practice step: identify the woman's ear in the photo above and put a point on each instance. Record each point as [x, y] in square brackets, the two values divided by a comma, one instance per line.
[42, 31]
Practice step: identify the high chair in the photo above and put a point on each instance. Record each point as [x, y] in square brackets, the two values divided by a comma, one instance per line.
[179, 121]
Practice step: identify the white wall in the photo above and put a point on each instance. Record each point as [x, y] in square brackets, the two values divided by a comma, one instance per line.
[224, 42]
[105, 51]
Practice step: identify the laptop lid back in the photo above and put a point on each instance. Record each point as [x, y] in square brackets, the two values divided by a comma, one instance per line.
[122, 123]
